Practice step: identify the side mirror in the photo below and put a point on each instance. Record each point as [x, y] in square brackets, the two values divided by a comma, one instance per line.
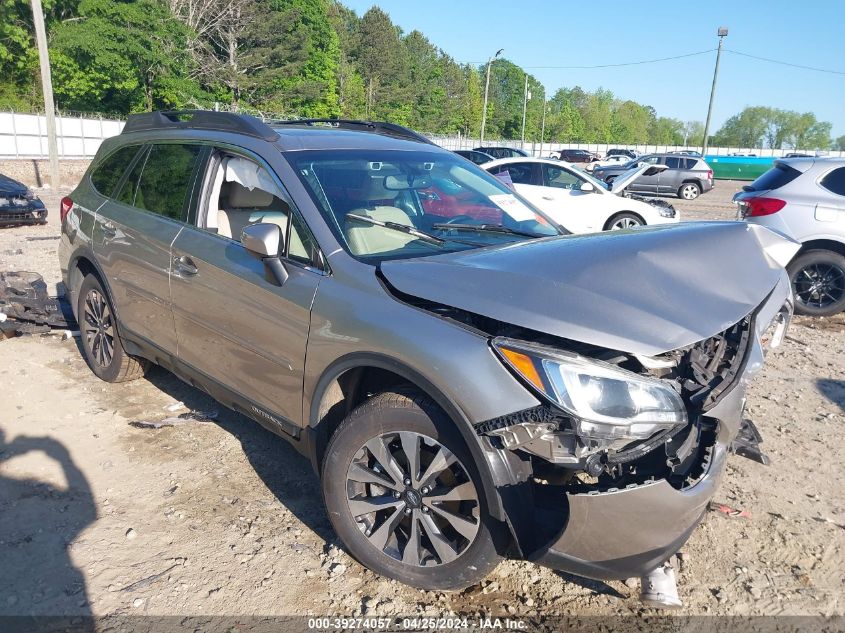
[587, 187]
[265, 241]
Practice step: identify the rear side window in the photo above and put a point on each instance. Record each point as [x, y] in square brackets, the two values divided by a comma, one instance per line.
[520, 173]
[835, 181]
[673, 162]
[107, 174]
[166, 178]
[778, 176]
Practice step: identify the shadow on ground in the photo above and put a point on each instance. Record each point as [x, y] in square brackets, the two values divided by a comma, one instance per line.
[833, 390]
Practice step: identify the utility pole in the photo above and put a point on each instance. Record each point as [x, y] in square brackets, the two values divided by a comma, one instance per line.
[47, 89]
[722, 33]
[486, 92]
[543, 125]
[525, 97]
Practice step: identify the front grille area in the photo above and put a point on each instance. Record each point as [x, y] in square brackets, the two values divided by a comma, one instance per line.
[708, 369]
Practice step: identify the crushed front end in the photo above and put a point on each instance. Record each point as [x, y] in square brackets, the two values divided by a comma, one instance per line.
[626, 450]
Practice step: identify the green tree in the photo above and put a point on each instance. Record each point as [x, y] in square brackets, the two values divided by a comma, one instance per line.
[839, 143]
[121, 57]
[746, 129]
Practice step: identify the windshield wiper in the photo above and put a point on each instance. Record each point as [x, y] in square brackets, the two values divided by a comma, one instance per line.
[485, 228]
[395, 226]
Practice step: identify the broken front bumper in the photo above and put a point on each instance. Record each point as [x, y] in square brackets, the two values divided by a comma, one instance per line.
[33, 211]
[626, 533]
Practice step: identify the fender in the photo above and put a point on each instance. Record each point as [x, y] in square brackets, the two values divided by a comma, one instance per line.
[500, 470]
[86, 252]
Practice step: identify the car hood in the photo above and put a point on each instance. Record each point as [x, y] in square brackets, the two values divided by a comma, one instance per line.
[627, 177]
[644, 291]
[11, 187]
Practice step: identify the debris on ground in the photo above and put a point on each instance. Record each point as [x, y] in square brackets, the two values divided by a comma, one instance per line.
[727, 511]
[27, 308]
[191, 417]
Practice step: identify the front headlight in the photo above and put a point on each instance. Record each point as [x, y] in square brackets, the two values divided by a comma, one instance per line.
[605, 402]
[667, 211]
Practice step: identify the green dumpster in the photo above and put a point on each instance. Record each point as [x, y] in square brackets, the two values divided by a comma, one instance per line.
[738, 167]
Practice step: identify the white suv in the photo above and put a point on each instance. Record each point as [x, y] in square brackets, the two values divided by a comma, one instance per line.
[805, 199]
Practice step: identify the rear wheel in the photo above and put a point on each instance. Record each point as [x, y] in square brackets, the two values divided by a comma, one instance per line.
[101, 345]
[625, 220]
[689, 191]
[818, 282]
[403, 494]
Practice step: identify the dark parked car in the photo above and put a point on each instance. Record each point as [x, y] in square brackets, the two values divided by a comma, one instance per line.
[686, 176]
[577, 156]
[621, 152]
[479, 158]
[503, 152]
[18, 204]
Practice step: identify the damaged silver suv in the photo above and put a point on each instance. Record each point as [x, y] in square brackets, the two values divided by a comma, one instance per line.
[468, 381]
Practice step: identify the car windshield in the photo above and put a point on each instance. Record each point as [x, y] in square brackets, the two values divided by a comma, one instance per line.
[398, 204]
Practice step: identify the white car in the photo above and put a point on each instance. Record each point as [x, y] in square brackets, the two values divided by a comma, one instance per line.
[616, 159]
[804, 198]
[576, 200]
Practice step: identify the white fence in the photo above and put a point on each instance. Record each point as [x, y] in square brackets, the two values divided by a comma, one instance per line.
[25, 136]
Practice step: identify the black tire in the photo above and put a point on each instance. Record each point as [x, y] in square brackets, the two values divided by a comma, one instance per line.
[101, 344]
[609, 180]
[818, 282]
[626, 220]
[689, 191]
[380, 419]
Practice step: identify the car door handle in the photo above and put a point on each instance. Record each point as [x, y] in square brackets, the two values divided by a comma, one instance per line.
[185, 265]
[109, 230]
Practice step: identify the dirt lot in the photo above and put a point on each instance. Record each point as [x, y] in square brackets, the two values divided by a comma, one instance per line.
[100, 517]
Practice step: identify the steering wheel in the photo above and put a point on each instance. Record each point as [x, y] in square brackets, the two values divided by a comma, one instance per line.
[458, 219]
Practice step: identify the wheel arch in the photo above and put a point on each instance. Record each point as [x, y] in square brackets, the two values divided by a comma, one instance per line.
[83, 263]
[617, 214]
[821, 245]
[345, 384]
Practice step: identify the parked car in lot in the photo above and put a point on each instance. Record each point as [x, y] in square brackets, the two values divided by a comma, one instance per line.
[805, 199]
[577, 201]
[577, 156]
[618, 151]
[616, 159]
[502, 152]
[475, 156]
[468, 382]
[686, 177]
[19, 204]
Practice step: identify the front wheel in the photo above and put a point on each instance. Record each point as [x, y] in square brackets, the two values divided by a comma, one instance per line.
[818, 282]
[689, 191]
[403, 494]
[623, 221]
[101, 344]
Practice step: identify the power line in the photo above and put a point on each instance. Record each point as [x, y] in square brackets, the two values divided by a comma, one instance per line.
[782, 63]
[645, 61]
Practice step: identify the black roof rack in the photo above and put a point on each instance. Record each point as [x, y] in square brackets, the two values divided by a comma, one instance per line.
[378, 127]
[200, 120]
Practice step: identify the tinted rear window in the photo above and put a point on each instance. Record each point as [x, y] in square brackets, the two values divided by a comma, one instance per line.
[108, 172]
[776, 177]
[835, 181]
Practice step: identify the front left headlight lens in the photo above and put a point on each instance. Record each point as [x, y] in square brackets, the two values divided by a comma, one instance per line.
[605, 402]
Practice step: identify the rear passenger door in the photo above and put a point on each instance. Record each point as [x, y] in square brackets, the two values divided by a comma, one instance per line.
[646, 184]
[233, 324]
[669, 180]
[133, 235]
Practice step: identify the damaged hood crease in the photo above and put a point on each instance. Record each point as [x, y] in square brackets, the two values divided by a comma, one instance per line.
[646, 291]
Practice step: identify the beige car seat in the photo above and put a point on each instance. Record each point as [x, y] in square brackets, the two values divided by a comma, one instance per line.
[368, 239]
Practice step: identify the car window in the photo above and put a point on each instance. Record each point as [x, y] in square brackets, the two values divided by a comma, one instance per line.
[126, 195]
[560, 178]
[164, 180]
[778, 176]
[384, 204]
[835, 181]
[107, 174]
[673, 162]
[520, 173]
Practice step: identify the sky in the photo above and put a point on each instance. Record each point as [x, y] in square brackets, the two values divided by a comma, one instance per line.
[564, 33]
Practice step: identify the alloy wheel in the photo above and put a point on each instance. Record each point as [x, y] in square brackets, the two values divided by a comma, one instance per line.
[413, 499]
[689, 192]
[99, 328]
[820, 285]
[625, 223]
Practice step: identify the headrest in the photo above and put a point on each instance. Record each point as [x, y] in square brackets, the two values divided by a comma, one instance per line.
[241, 197]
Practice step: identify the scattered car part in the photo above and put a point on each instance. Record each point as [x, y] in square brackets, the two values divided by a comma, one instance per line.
[19, 204]
[191, 417]
[747, 443]
[24, 302]
[659, 589]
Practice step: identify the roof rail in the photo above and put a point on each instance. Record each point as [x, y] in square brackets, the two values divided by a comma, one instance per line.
[378, 127]
[200, 120]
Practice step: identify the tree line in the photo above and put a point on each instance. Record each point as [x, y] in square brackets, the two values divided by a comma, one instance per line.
[318, 58]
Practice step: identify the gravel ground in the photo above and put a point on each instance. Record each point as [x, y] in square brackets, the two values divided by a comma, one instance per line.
[100, 517]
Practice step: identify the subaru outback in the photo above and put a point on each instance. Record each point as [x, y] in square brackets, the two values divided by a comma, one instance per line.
[468, 381]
